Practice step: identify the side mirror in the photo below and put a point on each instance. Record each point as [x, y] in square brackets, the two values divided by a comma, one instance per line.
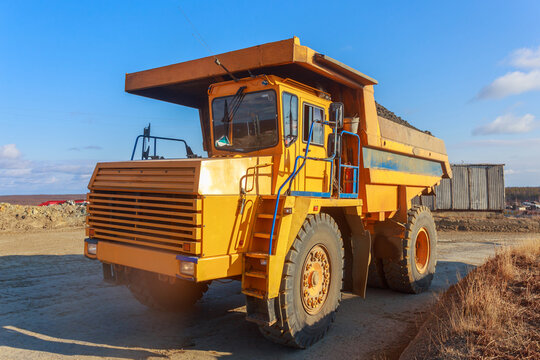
[336, 114]
[333, 148]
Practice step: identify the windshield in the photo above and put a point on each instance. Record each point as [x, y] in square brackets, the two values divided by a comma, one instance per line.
[245, 122]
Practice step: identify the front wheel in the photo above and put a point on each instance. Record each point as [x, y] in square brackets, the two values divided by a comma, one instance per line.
[311, 284]
[156, 294]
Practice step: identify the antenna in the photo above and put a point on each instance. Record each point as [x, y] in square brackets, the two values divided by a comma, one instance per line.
[200, 39]
[216, 60]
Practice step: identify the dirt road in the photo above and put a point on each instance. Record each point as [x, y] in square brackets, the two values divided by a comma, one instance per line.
[54, 305]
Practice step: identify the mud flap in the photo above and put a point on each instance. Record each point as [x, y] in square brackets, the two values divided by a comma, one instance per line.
[261, 311]
[361, 251]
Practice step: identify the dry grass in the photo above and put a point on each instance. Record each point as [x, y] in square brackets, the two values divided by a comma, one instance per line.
[493, 313]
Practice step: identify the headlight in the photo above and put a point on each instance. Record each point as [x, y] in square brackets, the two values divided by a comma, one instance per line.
[187, 268]
[91, 248]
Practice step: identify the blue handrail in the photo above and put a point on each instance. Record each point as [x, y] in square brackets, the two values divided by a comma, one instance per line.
[356, 169]
[293, 175]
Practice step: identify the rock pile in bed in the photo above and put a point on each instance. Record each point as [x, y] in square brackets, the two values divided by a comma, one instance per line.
[387, 114]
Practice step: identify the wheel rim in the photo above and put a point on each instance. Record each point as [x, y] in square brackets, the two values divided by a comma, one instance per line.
[315, 279]
[422, 251]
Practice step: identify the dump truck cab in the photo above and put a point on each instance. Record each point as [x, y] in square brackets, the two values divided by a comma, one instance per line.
[305, 189]
[270, 116]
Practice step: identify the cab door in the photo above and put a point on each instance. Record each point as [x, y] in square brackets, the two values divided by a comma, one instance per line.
[290, 114]
[313, 179]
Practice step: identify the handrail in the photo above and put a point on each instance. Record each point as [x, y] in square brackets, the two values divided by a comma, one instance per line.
[189, 152]
[356, 168]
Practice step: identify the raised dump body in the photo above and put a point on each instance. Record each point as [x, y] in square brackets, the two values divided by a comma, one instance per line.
[292, 199]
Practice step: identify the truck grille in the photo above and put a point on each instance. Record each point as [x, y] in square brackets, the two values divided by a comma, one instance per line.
[150, 175]
[168, 221]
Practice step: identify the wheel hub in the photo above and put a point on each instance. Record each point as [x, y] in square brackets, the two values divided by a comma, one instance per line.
[422, 251]
[315, 279]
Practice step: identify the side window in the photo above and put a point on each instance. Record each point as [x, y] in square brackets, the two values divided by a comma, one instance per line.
[313, 113]
[290, 118]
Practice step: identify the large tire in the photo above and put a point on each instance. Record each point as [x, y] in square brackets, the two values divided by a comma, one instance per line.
[414, 273]
[150, 291]
[305, 319]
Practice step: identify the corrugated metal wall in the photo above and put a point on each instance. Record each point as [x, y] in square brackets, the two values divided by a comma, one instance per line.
[472, 187]
[460, 188]
[443, 194]
[478, 188]
[496, 187]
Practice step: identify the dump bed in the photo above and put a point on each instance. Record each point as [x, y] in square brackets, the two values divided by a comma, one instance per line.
[187, 84]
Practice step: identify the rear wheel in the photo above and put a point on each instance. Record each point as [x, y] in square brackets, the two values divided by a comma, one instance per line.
[414, 273]
[177, 296]
[311, 284]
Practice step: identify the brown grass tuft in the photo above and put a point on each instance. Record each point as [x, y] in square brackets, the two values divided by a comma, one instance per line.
[492, 313]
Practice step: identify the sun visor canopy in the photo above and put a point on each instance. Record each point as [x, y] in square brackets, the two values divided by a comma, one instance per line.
[187, 83]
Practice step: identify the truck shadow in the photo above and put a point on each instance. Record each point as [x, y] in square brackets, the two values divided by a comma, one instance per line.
[60, 305]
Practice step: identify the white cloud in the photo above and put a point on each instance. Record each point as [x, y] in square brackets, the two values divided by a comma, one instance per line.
[9, 151]
[64, 168]
[15, 172]
[508, 124]
[525, 58]
[514, 143]
[513, 83]
[516, 82]
[89, 147]
[21, 176]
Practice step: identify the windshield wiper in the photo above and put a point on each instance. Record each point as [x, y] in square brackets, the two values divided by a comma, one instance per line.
[228, 116]
[235, 104]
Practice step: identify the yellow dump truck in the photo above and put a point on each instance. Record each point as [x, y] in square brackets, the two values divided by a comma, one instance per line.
[306, 192]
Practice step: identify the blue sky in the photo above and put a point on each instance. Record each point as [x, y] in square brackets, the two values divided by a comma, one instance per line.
[468, 71]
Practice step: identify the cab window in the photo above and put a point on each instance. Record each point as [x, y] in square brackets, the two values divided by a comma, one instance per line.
[290, 118]
[313, 113]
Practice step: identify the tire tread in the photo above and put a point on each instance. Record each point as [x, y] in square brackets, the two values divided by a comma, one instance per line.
[289, 335]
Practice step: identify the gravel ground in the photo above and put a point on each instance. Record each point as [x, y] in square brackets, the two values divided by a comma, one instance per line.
[54, 305]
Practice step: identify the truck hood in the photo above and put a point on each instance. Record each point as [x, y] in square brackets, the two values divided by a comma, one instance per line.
[216, 176]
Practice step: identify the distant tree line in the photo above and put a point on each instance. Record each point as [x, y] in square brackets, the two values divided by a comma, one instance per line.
[521, 194]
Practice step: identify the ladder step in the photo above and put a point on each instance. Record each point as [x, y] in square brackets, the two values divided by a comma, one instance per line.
[254, 292]
[258, 255]
[262, 235]
[267, 216]
[256, 274]
[268, 197]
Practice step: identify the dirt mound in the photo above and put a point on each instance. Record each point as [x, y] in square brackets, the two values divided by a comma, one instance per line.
[387, 114]
[486, 223]
[23, 218]
[493, 313]
[38, 199]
